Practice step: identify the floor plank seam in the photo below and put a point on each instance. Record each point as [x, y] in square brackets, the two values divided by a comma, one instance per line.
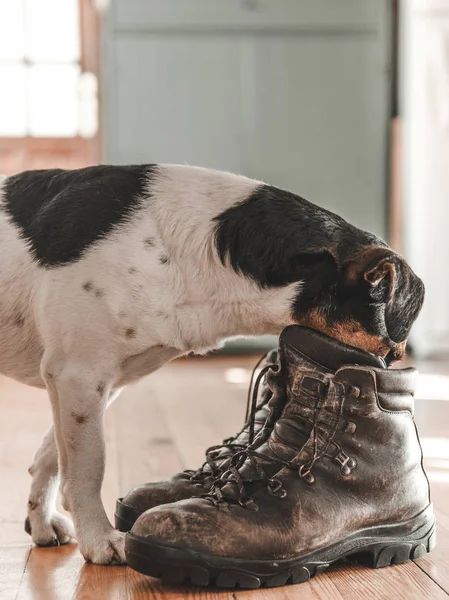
[23, 573]
[430, 577]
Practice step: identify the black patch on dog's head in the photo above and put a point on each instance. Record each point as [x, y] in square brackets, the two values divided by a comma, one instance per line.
[276, 238]
[62, 213]
[351, 285]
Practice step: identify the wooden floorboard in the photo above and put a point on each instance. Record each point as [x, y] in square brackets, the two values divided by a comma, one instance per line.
[154, 430]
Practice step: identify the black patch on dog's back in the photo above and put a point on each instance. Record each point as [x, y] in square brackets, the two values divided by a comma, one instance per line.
[61, 213]
[276, 238]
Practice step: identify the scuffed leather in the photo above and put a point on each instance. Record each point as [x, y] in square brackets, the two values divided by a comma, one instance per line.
[384, 482]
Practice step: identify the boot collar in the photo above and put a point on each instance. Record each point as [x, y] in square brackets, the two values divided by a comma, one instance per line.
[325, 352]
[391, 389]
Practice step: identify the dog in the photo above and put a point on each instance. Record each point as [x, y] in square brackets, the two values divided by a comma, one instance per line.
[109, 272]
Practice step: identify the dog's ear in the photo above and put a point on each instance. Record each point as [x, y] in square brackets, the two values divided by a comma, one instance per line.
[389, 280]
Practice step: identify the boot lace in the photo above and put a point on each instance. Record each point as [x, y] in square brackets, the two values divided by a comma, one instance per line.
[210, 467]
[233, 476]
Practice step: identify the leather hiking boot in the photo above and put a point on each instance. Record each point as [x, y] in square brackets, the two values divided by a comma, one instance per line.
[338, 473]
[193, 483]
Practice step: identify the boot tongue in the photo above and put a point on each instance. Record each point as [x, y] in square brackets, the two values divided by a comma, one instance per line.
[325, 352]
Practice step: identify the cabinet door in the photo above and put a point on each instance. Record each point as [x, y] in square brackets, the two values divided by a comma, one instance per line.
[319, 121]
[178, 99]
[289, 91]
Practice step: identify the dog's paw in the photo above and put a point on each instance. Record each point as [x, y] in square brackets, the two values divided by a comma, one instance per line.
[53, 531]
[108, 549]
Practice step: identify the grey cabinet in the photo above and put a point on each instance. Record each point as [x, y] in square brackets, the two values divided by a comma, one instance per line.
[295, 92]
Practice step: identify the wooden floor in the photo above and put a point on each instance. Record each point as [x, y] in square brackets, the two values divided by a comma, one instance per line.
[159, 427]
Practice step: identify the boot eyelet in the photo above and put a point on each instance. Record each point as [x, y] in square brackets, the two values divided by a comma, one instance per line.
[276, 488]
[348, 467]
[347, 464]
[306, 474]
[350, 427]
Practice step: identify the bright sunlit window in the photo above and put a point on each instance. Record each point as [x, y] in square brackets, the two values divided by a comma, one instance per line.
[43, 93]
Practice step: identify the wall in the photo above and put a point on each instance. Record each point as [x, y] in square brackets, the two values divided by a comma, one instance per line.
[425, 107]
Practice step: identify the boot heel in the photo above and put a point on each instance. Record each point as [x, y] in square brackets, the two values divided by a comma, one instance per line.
[376, 556]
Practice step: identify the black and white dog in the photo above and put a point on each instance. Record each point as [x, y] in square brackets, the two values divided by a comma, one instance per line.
[107, 273]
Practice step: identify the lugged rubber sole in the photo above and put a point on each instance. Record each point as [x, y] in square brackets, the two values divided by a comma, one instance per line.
[373, 547]
[125, 516]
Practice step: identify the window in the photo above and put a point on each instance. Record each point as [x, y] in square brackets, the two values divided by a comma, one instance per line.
[43, 92]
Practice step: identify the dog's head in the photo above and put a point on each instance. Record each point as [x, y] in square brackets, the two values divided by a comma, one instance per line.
[369, 300]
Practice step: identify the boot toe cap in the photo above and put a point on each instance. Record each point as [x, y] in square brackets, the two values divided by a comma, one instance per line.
[148, 495]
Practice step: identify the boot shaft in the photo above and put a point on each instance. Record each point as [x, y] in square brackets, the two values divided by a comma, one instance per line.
[353, 427]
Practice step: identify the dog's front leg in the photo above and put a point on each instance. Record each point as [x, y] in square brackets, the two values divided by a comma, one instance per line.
[46, 526]
[78, 397]
[44, 523]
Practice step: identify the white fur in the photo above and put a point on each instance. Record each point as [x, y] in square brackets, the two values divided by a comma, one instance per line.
[84, 345]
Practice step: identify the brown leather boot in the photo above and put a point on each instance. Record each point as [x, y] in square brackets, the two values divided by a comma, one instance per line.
[339, 475]
[193, 483]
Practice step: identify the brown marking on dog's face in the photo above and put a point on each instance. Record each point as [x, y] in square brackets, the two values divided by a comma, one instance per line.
[130, 332]
[148, 242]
[99, 293]
[32, 505]
[88, 286]
[349, 332]
[164, 260]
[80, 418]
[132, 270]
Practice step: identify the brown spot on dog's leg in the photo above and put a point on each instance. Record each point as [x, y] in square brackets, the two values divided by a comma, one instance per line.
[101, 387]
[80, 418]
[19, 320]
[88, 286]
[130, 332]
